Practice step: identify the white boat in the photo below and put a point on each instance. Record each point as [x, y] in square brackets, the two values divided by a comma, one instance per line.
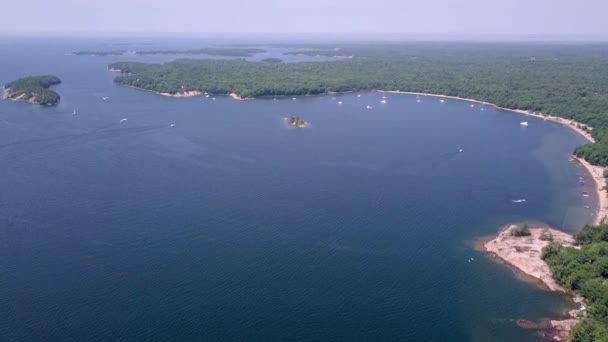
[518, 200]
[418, 100]
[383, 101]
[460, 150]
[74, 112]
[383, 96]
[482, 109]
[472, 105]
[524, 123]
[105, 98]
[213, 98]
[123, 120]
[339, 102]
[442, 100]
[207, 95]
[369, 107]
[293, 98]
[171, 125]
[359, 95]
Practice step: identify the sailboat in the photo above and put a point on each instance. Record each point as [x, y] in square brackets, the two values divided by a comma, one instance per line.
[74, 112]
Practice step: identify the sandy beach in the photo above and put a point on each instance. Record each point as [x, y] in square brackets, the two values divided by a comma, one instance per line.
[236, 97]
[596, 172]
[523, 254]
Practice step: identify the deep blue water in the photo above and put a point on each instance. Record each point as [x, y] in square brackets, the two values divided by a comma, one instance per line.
[230, 226]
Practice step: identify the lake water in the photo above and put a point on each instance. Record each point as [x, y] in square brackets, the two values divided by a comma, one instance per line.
[230, 226]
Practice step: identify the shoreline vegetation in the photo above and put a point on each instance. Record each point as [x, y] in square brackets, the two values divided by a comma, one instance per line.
[33, 89]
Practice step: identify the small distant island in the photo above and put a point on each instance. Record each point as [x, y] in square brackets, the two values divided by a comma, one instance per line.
[33, 89]
[296, 122]
[100, 53]
[228, 52]
[232, 52]
[337, 53]
[272, 60]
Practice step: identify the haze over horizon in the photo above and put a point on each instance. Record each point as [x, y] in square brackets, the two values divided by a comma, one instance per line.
[434, 18]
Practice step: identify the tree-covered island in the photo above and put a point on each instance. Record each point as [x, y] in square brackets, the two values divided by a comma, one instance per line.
[33, 89]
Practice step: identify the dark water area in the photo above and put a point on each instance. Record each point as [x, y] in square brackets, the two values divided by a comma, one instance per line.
[231, 226]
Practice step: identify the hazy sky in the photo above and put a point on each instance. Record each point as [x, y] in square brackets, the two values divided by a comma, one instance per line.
[488, 17]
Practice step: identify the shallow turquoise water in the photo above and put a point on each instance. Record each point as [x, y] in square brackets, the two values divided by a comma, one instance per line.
[229, 226]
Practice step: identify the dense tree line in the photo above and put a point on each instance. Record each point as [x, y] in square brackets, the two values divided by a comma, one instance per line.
[584, 270]
[570, 81]
[34, 89]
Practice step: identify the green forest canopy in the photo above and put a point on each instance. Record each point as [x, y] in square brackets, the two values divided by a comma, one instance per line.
[34, 88]
[585, 271]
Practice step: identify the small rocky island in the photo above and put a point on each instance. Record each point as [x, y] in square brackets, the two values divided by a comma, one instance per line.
[33, 89]
[296, 122]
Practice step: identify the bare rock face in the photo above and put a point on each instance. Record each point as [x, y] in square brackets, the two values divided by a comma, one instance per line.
[524, 254]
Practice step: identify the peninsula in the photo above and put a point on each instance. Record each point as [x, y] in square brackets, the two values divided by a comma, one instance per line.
[33, 89]
[577, 265]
